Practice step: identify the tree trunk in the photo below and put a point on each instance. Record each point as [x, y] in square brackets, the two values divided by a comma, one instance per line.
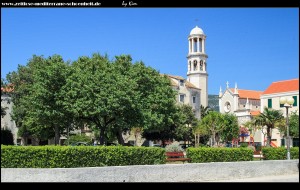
[213, 139]
[120, 137]
[269, 135]
[56, 140]
[101, 138]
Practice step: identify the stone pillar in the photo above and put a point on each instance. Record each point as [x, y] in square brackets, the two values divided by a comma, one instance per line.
[203, 45]
[198, 41]
[189, 45]
[192, 44]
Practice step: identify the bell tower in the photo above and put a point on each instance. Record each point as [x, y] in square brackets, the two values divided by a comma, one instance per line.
[197, 65]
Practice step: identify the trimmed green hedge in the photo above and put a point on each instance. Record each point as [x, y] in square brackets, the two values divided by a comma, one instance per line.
[279, 153]
[78, 156]
[200, 155]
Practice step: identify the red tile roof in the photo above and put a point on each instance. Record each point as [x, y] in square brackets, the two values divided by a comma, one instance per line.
[190, 85]
[250, 94]
[7, 88]
[176, 77]
[254, 113]
[283, 86]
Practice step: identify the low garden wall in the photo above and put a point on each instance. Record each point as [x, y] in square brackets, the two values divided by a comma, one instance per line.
[190, 172]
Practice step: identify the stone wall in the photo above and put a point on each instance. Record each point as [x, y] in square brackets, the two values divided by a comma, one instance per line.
[196, 172]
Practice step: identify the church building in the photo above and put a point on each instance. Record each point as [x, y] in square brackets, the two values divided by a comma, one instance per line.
[193, 90]
[243, 103]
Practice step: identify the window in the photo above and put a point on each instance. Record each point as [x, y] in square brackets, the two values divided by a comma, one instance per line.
[281, 105]
[295, 100]
[269, 103]
[195, 65]
[190, 64]
[181, 82]
[194, 99]
[201, 65]
[181, 97]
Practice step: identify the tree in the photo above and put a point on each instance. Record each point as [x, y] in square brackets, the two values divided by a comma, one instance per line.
[231, 128]
[3, 91]
[185, 123]
[293, 125]
[22, 81]
[198, 131]
[37, 109]
[117, 95]
[214, 123]
[268, 118]
[204, 110]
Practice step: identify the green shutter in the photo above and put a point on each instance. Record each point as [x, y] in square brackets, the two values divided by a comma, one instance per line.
[295, 100]
[269, 103]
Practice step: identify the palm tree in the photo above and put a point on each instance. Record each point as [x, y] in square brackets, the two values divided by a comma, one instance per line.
[269, 118]
[204, 111]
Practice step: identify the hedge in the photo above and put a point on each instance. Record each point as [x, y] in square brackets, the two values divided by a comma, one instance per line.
[279, 153]
[200, 155]
[78, 156]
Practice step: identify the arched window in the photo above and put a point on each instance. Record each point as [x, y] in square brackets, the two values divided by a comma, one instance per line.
[201, 65]
[190, 66]
[195, 65]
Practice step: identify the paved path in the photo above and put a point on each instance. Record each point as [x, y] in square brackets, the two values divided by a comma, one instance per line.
[281, 178]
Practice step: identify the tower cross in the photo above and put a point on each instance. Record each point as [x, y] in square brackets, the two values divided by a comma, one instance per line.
[227, 84]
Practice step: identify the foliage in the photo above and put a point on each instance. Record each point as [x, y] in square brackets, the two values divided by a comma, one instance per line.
[214, 122]
[185, 123]
[201, 133]
[270, 118]
[200, 155]
[174, 147]
[205, 110]
[3, 85]
[78, 156]
[7, 137]
[293, 125]
[244, 144]
[117, 95]
[279, 153]
[251, 147]
[36, 97]
[78, 138]
[231, 128]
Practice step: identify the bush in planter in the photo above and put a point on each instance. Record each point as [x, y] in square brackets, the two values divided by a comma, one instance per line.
[174, 147]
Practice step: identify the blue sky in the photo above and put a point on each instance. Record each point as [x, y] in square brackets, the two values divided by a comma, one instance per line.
[250, 46]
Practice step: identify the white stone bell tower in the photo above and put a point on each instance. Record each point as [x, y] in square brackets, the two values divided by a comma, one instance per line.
[197, 65]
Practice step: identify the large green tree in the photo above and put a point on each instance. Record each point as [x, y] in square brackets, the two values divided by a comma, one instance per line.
[214, 122]
[269, 118]
[22, 81]
[231, 128]
[118, 95]
[37, 109]
[185, 123]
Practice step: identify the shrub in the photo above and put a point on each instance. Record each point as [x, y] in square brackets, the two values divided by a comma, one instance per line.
[200, 155]
[174, 147]
[7, 137]
[78, 156]
[252, 148]
[280, 153]
[244, 144]
[78, 138]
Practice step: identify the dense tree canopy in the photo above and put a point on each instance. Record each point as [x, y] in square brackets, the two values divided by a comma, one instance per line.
[37, 110]
[118, 95]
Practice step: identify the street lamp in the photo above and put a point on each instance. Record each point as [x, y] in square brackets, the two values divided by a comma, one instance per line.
[287, 103]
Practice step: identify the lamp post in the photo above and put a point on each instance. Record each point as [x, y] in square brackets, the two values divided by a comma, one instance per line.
[287, 103]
